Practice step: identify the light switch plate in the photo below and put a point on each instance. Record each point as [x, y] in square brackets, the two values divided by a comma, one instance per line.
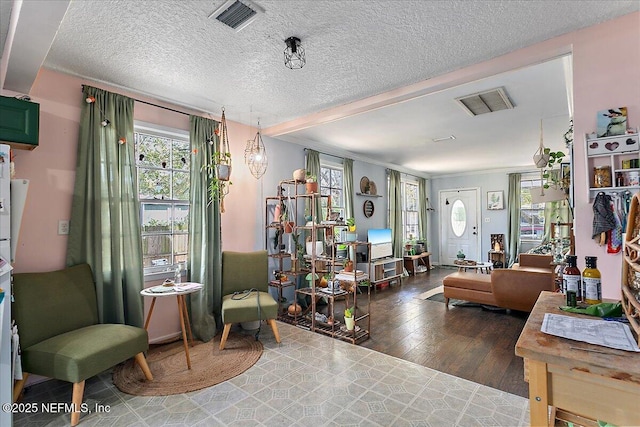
[63, 227]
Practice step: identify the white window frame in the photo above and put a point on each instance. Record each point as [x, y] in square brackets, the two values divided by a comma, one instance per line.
[535, 182]
[164, 270]
[406, 227]
[333, 165]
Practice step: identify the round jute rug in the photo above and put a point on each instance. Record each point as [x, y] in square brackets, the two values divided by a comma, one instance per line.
[168, 364]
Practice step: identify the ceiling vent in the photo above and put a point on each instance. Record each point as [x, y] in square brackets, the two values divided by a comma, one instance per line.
[485, 102]
[237, 14]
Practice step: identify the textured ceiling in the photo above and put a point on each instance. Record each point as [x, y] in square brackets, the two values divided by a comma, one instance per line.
[355, 49]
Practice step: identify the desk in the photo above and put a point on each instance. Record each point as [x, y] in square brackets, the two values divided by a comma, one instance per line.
[411, 262]
[185, 325]
[593, 385]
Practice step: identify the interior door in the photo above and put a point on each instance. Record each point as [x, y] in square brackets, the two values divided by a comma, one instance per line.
[459, 225]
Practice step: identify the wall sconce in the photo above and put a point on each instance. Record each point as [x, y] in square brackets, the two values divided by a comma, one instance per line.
[294, 54]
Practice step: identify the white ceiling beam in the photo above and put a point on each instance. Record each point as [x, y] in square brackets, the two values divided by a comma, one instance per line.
[32, 29]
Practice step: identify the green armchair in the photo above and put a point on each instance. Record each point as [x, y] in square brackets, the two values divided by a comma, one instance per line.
[60, 336]
[242, 271]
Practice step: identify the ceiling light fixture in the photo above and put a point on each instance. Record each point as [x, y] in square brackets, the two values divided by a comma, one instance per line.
[294, 54]
[255, 155]
[444, 139]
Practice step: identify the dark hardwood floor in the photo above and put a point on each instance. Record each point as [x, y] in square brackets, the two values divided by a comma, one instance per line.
[469, 342]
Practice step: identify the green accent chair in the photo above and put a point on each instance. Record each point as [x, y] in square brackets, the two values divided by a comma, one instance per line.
[243, 271]
[60, 335]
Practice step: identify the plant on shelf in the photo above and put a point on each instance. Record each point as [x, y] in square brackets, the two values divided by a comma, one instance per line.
[348, 312]
[351, 223]
[348, 266]
[461, 255]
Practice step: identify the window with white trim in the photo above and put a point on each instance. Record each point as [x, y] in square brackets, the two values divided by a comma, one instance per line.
[410, 203]
[332, 184]
[531, 214]
[163, 162]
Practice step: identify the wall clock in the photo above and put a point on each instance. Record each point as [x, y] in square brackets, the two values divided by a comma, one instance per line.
[368, 208]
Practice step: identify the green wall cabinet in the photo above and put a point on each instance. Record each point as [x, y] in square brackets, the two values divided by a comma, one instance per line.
[19, 122]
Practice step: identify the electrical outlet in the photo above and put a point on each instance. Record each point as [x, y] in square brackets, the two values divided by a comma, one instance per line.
[63, 227]
[487, 220]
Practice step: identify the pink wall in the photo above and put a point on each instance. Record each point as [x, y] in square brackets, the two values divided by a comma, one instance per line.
[51, 170]
[606, 64]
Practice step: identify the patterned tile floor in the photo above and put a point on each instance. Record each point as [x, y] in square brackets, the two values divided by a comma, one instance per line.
[307, 380]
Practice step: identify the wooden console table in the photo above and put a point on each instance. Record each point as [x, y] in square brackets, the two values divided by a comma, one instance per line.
[584, 380]
[411, 262]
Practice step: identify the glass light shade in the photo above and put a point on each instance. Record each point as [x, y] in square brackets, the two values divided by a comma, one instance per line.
[255, 156]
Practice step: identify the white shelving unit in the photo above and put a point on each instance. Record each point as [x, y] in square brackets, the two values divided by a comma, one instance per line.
[613, 152]
[384, 269]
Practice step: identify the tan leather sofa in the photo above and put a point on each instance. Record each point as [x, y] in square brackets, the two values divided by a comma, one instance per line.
[515, 288]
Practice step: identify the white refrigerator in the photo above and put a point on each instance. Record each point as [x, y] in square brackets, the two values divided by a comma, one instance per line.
[12, 200]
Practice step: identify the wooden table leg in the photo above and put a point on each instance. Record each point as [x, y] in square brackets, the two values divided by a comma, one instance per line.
[538, 393]
[184, 332]
[146, 322]
[186, 319]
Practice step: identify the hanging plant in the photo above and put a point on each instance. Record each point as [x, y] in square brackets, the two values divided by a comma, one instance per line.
[219, 166]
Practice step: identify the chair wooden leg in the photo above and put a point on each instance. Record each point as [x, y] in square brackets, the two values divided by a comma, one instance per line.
[18, 386]
[76, 400]
[274, 328]
[225, 335]
[142, 362]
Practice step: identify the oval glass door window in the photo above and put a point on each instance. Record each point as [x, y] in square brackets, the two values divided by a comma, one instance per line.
[458, 218]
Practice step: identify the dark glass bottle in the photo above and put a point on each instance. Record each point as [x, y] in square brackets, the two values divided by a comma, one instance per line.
[571, 277]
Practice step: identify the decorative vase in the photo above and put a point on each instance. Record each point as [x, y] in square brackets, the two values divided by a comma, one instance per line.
[350, 323]
[319, 248]
[299, 175]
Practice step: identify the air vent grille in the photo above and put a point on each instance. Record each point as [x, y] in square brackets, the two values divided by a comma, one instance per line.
[485, 102]
[237, 14]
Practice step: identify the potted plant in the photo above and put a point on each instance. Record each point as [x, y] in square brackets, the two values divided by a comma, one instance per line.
[222, 162]
[349, 318]
[552, 179]
[348, 266]
[460, 255]
[219, 171]
[311, 184]
[351, 223]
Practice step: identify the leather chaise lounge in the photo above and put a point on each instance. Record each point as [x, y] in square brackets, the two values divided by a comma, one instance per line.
[515, 288]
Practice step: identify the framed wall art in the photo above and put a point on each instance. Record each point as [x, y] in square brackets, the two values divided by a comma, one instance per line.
[495, 200]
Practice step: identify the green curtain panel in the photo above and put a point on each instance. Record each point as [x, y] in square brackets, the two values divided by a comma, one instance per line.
[348, 188]
[513, 221]
[313, 167]
[423, 212]
[395, 211]
[105, 212]
[205, 247]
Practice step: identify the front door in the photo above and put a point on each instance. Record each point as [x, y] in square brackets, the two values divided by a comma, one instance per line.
[459, 225]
